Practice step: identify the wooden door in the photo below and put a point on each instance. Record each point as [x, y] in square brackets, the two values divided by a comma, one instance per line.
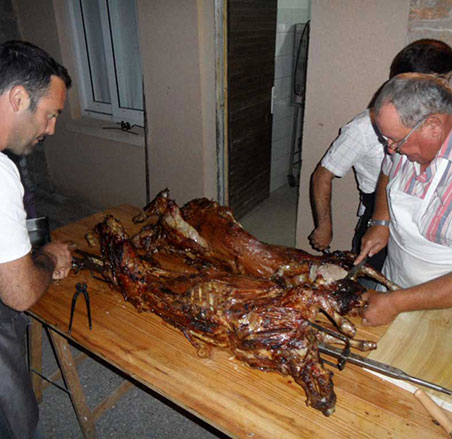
[251, 38]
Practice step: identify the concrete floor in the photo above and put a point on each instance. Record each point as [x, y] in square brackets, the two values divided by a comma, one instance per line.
[141, 413]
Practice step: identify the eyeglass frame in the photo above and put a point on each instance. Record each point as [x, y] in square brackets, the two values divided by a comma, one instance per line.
[384, 140]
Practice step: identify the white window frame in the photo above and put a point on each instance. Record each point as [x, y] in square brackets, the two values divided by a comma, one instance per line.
[89, 107]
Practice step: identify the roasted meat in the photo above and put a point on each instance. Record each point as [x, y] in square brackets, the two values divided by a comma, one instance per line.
[199, 270]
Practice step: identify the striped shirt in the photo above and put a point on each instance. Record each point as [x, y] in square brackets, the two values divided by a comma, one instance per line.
[436, 222]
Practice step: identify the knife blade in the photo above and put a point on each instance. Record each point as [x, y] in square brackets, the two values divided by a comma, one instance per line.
[355, 269]
[377, 366]
[86, 261]
[327, 251]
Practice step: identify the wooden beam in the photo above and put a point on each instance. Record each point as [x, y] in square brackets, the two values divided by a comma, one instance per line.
[111, 399]
[72, 380]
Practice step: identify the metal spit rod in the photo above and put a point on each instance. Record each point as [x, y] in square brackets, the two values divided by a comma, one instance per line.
[383, 368]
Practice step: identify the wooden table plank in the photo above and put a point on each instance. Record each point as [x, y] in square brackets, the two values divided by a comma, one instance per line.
[420, 344]
[236, 399]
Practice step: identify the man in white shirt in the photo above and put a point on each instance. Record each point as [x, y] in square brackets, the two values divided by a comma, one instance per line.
[358, 146]
[33, 90]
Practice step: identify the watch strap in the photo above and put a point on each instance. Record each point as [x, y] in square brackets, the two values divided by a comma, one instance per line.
[375, 222]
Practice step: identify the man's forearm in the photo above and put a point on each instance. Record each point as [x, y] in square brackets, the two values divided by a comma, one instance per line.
[321, 192]
[25, 280]
[44, 262]
[376, 237]
[383, 308]
[435, 294]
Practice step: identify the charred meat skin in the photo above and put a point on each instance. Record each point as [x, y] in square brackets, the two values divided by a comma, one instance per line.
[232, 311]
[199, 270]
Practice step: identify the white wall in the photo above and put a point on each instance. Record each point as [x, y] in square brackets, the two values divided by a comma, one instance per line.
[290, 12]
[179, 72]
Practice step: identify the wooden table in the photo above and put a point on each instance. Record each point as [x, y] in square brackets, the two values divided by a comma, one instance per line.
[238, 400]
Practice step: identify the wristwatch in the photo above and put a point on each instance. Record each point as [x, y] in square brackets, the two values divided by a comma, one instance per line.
[375, 222]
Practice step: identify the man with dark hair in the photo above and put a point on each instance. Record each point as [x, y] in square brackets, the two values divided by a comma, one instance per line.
[358, 146]
[413, 113]
[33, 90]
[23, 63]
[423, 56]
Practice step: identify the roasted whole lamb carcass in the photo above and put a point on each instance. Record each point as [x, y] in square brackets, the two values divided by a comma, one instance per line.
[199, 270]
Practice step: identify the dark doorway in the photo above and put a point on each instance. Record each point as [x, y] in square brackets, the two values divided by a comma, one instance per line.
[250, 65]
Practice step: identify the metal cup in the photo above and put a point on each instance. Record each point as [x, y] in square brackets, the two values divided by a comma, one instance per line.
[38, 231]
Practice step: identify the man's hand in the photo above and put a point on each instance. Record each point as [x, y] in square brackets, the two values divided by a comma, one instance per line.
[380, 309]
[320, 238]
[60, 252]
[372, 242]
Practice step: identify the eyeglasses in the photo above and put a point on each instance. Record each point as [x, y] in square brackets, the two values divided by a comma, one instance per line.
[395, 146]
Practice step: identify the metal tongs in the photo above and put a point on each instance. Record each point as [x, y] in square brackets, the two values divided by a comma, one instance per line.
[80, 288]
[344, 356]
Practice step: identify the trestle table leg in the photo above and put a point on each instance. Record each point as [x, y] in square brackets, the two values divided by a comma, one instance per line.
[72, 380]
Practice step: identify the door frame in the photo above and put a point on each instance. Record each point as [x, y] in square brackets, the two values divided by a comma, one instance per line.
[221, 100]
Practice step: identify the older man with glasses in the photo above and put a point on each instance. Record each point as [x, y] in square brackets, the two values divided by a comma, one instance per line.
[413, 211]
[394, 146]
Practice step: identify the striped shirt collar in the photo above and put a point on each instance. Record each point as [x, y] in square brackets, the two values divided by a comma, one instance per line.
[446, 148]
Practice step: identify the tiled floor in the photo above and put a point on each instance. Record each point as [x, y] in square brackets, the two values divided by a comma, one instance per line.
[141, 413]
[274, 220]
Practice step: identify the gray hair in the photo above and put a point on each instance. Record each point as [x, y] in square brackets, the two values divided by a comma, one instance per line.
[415, 97]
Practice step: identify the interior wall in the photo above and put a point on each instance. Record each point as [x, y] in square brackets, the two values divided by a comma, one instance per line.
[179, 71]
[351, 47]
[290, 12]
[179, 75]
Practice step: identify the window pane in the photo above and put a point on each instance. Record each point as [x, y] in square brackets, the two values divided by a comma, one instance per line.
[126, 53]
[96, 52]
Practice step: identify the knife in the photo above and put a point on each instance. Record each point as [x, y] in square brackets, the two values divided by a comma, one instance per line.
[87, 261]
[327, 250]
[377, 366]
[351, 274]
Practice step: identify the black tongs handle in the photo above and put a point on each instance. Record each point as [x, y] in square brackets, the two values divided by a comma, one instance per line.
[80, 288]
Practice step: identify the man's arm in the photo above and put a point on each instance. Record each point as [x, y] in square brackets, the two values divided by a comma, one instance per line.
[377, 237]
[383, 308]
[24, 280]
[322, 182]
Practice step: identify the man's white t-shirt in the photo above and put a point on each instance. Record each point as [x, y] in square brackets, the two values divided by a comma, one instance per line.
[357, 146]
[14, 240]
